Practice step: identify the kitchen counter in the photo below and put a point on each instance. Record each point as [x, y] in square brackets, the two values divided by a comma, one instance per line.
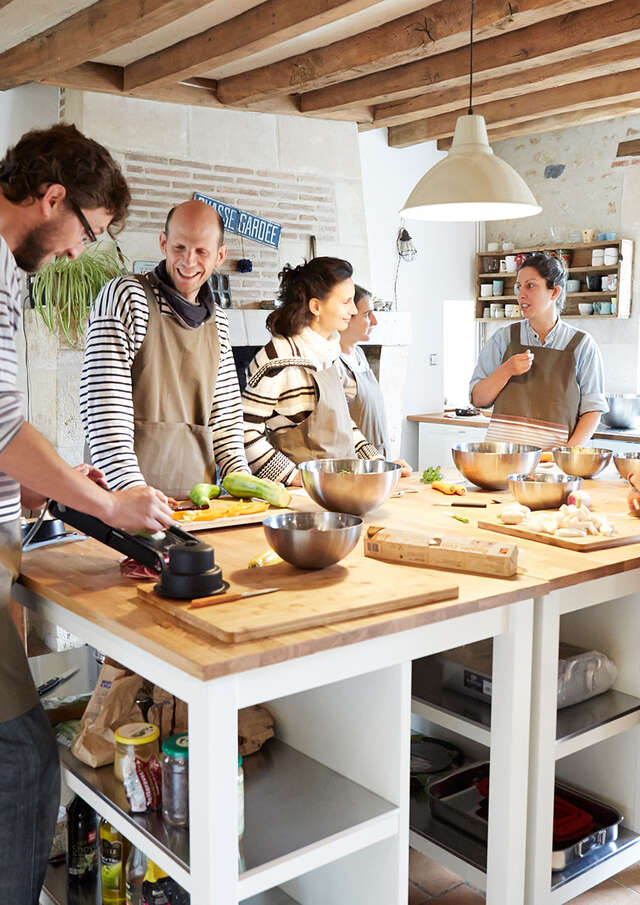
[632, 435]
[341, 696]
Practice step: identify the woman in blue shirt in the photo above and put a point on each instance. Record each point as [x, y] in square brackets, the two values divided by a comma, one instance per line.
[544, 379]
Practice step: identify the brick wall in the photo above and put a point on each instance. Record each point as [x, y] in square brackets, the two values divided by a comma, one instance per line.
[303, 204]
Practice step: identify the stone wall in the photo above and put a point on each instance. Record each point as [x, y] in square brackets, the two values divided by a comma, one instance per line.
[594, 190]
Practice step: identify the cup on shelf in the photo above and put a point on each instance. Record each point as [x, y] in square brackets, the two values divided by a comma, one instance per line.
[610, 256]
[512, 310]
[508, 246]
[594, 283]
[493, 246]
[611, 237]
[588, 235]
[573, 285]
[510, 261]
[602, 307]
[601, 237]
[498, 287]
[486, 289]
[609, 282]
[585, 308]
[497, 310]
[492, 265]
[503, 265]
[486, 312]
[575, 237]
[614, 304]
[597, 257]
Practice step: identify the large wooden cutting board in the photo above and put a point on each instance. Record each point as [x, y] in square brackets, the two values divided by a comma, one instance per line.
[307, 599]
[628, 532]
[234, 521]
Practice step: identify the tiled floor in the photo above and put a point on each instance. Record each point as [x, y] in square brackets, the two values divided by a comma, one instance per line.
[433, 884]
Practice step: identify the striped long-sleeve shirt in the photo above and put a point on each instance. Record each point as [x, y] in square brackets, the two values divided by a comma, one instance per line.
[117, 326]
[11, 405]
[284, 399]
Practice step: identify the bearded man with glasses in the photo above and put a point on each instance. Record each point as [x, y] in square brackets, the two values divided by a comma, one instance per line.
[58, 191]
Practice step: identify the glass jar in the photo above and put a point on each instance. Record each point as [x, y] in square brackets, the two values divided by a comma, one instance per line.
[240, 798]
[492, 264]
[175, 779]
[135, 740]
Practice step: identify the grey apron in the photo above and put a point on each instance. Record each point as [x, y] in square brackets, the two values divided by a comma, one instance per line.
[173, 380]
[17, 691]
[328, 431]
[367, 409]
[541, 407]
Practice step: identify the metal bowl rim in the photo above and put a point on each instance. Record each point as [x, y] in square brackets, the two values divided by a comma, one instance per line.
[543, 478]
[519, 449]
[598, 451]
[278, 521]
[627, 456]
[315, 466]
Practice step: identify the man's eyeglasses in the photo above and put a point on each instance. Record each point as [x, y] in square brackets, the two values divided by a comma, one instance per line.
[89, 235]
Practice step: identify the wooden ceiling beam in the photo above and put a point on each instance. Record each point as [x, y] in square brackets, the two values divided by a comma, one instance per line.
[432, 30]
[619, 87]
[257, 29]
[552, 41]
[89, 33]
[629, 148]
[109, 80]
[619, 58]
[557, 121]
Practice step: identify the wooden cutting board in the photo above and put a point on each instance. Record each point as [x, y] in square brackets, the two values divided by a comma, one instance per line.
[306, 599]
[235, 521]
[628, 532]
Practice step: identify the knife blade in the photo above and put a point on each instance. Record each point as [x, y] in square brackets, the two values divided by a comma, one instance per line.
[52, 683]
[466, 505]
[229, 598]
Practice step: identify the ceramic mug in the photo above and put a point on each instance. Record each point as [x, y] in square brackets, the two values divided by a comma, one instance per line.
[602, 307]
[503, 265]
[588, 235]
[594, 283]
[498, 287]
[486, 289]
[573, 285]
[510, 261]
[493, 246]
[597, 257]
[497, 310]
[486, 312]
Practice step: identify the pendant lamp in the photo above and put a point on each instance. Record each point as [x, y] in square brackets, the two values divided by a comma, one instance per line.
[470, 183]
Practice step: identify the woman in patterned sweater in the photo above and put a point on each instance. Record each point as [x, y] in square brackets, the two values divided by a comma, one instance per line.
[294, 405]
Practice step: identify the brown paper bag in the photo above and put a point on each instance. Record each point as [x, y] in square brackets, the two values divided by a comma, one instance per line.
[255, 726]
[112, 705]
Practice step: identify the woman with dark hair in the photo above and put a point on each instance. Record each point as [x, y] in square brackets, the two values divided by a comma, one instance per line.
[544, 379]
[294, 405]
[364, 396]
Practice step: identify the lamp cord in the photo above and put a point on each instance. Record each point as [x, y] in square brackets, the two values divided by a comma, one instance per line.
[471, 62]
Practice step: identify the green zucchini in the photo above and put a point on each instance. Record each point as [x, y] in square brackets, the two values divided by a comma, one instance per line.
[200, 494]
[246, 487]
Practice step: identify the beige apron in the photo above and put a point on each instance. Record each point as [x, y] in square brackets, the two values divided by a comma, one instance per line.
[367, 409]
[328, 431]
[173, 379]
[541, 407]
[17, 692]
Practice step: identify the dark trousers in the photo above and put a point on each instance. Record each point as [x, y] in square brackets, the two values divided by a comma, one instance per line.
[29, 800]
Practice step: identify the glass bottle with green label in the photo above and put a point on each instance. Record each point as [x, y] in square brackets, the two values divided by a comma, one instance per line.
[113, 858]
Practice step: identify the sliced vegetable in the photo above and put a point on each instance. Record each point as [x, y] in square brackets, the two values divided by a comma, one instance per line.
[268, 558]
[431, 474]
[461, 518]
[246, 487]
[449, 489]
[200, 494]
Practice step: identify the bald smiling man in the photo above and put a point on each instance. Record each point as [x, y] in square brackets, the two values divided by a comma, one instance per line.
[159, 394]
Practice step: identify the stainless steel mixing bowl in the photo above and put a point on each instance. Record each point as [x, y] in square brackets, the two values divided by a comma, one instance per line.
[349, 485]
[581, 461]
[541, 490]
[489, 464]
[624, 411]
[627, 462]
[312, 540]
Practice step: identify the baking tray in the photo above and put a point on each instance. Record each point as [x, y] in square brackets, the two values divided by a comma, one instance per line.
[456, 801]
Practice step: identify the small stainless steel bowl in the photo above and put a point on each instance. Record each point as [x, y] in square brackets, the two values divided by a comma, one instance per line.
[349, 485]
[312, 540]
[489, 464]
[627, 462]
[581, 461]
[541, 490]
[624, 411]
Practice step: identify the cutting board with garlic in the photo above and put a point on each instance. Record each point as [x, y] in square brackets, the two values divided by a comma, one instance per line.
[571, 527]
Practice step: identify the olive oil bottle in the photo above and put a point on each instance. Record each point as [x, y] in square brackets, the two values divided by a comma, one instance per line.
[113, 859]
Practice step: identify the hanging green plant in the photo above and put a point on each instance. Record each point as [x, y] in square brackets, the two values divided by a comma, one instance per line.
[63, 290]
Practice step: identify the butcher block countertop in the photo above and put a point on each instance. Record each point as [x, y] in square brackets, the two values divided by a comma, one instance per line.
[482, 420]
[84, 577]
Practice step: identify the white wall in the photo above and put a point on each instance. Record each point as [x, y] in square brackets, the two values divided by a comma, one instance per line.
[443, 268]
[29, 107]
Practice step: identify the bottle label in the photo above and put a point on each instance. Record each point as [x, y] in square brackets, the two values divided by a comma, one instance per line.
[111, 865]
[82, 858]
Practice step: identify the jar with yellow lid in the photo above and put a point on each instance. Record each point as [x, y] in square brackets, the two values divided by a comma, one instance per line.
[135, 740]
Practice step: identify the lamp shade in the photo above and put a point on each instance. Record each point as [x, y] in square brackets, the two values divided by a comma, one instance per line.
[471, 183]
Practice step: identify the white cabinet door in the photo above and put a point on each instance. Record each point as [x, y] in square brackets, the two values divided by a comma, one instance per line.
[435, 442]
